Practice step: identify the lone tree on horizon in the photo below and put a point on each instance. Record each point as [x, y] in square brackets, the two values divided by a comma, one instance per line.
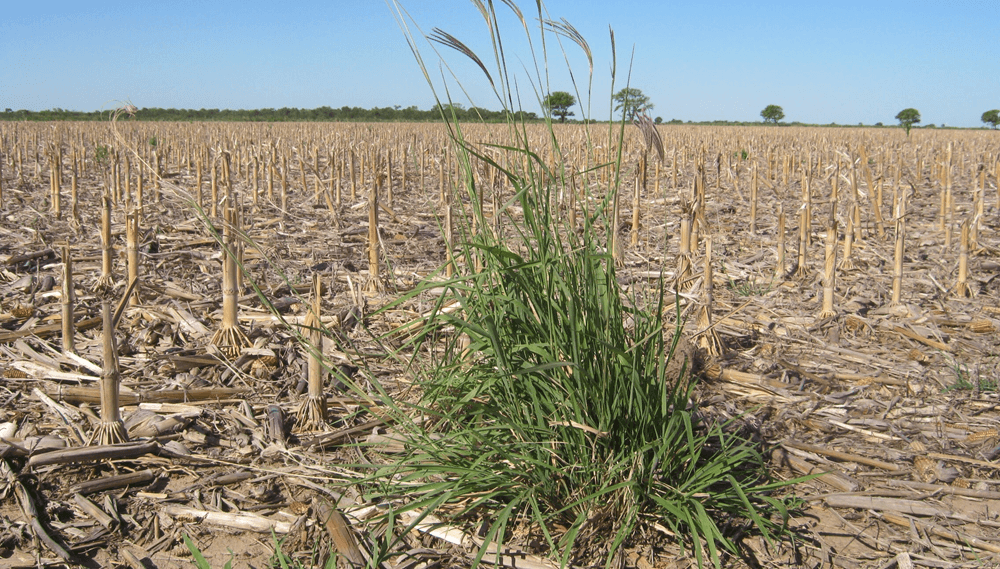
[907, 118]
[992, 118]
[558, 103]
[631, 101]
[772, 114]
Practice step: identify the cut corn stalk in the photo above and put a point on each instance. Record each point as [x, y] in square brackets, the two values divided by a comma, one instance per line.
[312, 414]
[962, 288]
[111, 429]
[68, 298]
[708, 338]
[830, 272]
[230, 337]
[106, 282]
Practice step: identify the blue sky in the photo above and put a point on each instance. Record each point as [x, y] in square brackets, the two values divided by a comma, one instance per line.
[843, 62]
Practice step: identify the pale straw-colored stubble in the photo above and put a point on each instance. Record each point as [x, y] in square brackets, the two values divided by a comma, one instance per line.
[375, 282]
[801, 270]
[847, 263]
[55, 185]
[105, 283]
[979, 210]
[132, 252]
[780, 261]
[829, 272]
[708, 337]
[754, 183]
[312, 412]
[230, 337]
[68, 301]
[897, 270]
[73, 192]
[962, 288]
[771, 151]
[111, 429]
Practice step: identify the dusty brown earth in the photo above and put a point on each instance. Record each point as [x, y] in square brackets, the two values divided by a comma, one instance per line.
[895, 404]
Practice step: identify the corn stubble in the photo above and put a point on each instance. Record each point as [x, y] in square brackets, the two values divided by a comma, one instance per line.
[230, 337]
[312, 413]
[110, 429]
[793, 168]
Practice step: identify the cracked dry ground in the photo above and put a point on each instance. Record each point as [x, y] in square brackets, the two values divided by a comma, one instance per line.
[896, 405]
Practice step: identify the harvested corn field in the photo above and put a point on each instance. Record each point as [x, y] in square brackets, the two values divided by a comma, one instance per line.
[838, 292]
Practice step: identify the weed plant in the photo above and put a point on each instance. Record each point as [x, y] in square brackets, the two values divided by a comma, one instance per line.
[560, 414]
[748, 287]
[101, 153]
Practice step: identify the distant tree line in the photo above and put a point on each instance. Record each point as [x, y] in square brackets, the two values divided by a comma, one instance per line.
[630, 101]
[286, 114]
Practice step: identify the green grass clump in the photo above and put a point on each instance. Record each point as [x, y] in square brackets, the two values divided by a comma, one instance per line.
[964, 379]
[748, 287]
[101, 153]
[563, 413]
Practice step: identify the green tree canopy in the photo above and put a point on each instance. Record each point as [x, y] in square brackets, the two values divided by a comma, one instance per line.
[772, 114]
[907, 118]
[631, 101]
[992, 118]
[558, 103]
